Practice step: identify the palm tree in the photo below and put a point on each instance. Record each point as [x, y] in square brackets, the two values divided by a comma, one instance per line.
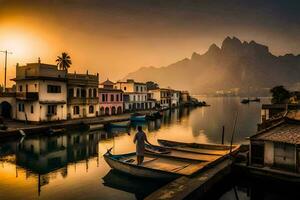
[64, 61]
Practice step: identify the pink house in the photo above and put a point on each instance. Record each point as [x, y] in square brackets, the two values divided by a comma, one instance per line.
[110, 99]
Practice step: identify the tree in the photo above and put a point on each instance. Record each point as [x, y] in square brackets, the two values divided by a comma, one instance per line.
[151, 85]
[64, 61]
[280, 94]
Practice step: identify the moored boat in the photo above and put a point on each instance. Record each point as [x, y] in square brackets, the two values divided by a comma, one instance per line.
[211, 149]
[154, 166]
[124, 124]
[138, 117]
[93, 127]
[245, 101]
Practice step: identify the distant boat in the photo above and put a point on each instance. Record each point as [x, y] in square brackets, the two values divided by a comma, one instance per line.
[138, 117]
[245, 101]
[256, 99]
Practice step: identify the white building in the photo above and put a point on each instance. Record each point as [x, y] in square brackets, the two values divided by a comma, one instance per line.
[135, 95]
[41, 93]
[175, 98]
[162, 96]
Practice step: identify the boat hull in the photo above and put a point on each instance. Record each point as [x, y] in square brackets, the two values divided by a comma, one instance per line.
[141, 118]
[138, 171]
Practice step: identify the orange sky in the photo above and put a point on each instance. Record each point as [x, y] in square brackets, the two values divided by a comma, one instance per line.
[117, 38]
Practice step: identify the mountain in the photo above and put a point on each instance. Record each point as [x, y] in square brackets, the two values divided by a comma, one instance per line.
[236, 64]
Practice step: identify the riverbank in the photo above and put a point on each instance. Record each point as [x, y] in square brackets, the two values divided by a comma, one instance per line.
[14, 127]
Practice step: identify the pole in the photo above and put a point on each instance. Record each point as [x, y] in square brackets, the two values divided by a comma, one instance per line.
[5, 67]
[223, 133]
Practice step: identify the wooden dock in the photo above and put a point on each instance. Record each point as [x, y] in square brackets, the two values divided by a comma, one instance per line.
[195, 187]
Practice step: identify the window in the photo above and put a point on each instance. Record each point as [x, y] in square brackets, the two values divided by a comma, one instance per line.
[76, 110]
[117, 97]
[121, 97]
[21, 107]
[141, 89]
[124, 88]
[35, 86]
[90, 92]
[52, 109]
[137, 88]
[133, 97]
[20, 88]
[95, 92]
[78, 92]
[83, 93]
[26, 88]
[53, 88]
[103, 97]
[31, 108]
[91, 109]
[71, 92]
[112, 97]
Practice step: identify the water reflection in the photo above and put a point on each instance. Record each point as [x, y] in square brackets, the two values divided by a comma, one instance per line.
[71, 166]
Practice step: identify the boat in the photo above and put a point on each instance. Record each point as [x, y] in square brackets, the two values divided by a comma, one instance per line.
[154, 115]
[245, 101]
[255, 99]
[154, 166]
[173, 152]
[138, 117]
[54, 131]
[94, 127]
[209, 149]
[124, 124]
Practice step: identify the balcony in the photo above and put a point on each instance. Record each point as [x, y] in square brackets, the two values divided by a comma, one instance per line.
[83, 101]
[27, 96]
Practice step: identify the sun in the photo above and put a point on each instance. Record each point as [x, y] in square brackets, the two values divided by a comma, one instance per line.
[16, 43]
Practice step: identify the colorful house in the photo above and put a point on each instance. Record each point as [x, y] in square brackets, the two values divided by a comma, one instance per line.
[110, 99]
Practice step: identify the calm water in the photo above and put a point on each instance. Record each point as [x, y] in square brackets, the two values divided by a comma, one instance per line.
[71, 166]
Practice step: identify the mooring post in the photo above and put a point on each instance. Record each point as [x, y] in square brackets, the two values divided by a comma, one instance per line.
[223, 132]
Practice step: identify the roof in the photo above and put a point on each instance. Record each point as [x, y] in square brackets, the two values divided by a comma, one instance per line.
[107, 82]
[284, 132]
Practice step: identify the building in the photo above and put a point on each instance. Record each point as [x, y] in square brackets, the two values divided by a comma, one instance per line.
[135, 95]
[110, 99]
[162, 96]
[278, 146]
[184, 98]
[175, 98]
[83, 98]
[41, 93]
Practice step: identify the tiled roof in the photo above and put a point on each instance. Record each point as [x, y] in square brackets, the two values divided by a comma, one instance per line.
[285, 132]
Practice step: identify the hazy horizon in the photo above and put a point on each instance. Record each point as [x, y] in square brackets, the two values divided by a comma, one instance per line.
[117, 37]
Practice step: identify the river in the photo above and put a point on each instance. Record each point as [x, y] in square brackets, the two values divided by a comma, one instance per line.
[71, 166]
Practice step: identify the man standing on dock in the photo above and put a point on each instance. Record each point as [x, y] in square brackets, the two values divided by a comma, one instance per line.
[139, 139]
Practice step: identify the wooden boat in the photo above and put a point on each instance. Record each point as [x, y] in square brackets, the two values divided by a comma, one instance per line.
[137, 117]
[124, 124]
[154, 166]
[209, 149]
[174, 152]
[94, 127]
[54, 131]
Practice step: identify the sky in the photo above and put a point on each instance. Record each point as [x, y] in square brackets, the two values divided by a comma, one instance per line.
[115, 37]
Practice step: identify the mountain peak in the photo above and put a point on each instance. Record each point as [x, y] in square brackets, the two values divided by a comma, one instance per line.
[195, 56]
[230, 43]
